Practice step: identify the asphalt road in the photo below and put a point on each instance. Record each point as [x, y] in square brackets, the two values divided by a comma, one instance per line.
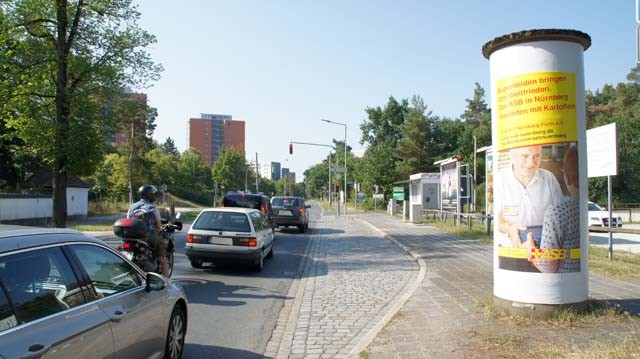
[232, 310]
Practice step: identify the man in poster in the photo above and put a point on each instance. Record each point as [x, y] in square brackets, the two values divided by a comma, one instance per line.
[523, 192]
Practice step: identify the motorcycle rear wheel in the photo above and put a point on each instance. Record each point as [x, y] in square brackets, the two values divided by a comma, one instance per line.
[170, 263]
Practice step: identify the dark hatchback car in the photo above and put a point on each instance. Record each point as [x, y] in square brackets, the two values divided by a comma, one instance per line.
[66, 295]
[249, 200]
[289, 211]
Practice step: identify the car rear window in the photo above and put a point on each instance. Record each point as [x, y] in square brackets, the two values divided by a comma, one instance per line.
[222, 221]
[242, 201]
[286, 202]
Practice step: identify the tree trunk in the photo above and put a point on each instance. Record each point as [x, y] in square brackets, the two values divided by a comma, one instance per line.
[63, 112]
[59, 218]
[131, 160]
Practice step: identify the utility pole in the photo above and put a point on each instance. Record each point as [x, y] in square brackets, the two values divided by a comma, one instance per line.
[474, 174]
[257, 175]
[345, 159]
[322, 145]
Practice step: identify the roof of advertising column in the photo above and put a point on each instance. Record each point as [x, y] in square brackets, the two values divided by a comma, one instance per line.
[498, 43]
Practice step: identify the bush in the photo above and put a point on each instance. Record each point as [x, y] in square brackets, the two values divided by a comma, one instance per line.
[203, 198]
[97, 208]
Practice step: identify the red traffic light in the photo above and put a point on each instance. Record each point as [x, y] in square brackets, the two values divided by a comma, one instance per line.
[291, 148]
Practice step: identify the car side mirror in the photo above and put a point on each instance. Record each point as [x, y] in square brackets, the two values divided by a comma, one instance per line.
[155, 282]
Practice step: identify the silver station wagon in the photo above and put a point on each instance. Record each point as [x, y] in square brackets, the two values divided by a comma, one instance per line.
[66, 295]
[230, 235]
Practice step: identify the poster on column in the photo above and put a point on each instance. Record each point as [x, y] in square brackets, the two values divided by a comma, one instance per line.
[489, 182]
[537, 182]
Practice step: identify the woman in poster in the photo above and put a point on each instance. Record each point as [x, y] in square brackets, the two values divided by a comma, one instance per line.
[523, 192]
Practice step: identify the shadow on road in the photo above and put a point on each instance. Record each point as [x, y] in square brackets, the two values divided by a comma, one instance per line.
[193, 351]
[202, 291]
[630, 305]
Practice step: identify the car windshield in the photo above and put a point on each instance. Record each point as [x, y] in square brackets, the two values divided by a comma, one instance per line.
[222, 221]
[594, 207]
[285, 202]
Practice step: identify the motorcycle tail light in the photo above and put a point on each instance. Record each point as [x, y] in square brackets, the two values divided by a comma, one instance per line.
[127, 246]
[141, 249]
[125, 222]
[262, 209]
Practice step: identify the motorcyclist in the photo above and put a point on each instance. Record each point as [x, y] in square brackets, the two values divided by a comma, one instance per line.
[146, 210]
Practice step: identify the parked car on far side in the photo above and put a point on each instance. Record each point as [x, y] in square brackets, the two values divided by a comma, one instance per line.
[599, 216]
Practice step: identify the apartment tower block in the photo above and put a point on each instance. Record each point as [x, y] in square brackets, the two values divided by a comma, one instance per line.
[210, 133]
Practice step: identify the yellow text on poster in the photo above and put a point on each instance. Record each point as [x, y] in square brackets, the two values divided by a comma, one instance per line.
[536, 108]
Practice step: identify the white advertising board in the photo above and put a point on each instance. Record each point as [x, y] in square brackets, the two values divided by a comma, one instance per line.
[602, 151]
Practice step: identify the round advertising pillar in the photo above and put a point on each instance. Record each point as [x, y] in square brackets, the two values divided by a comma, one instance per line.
[540, 168]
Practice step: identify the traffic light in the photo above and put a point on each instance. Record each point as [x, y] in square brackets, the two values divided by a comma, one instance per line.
[291, 148]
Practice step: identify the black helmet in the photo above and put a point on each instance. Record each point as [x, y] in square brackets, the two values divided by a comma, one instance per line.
[148, 192]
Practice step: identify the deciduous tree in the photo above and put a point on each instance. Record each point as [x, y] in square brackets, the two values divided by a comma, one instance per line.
[67, 58]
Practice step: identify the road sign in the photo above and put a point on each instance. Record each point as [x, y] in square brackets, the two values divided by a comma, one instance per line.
[338, 170]
[378, 195]
[398, 193]
[360, 197]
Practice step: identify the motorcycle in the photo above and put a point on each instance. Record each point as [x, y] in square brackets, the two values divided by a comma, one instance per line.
[135, 248]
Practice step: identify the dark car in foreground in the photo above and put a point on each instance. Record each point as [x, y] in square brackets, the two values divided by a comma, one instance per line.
[290, 211]
[66, 295]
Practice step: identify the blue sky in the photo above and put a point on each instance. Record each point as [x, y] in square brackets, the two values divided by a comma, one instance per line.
[282, 66]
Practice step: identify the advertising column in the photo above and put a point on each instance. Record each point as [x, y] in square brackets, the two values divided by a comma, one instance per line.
[539, 166]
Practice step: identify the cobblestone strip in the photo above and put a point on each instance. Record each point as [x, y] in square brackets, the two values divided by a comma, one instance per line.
[394, 306]
[350, 280]
[284, 327]
[434, 321]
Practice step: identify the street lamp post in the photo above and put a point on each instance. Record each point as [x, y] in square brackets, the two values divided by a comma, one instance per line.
[323, 145]
[345, 160]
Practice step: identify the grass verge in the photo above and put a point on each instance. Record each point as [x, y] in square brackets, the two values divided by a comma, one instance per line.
[105, 208]
[623, 265]
[103, 227]
[602, 331]
[477, 231]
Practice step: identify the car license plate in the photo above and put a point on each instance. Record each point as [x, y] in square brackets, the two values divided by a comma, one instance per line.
[225, 241]
[283, 212]
[128, 255]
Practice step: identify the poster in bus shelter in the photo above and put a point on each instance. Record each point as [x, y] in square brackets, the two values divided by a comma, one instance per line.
[449, 186]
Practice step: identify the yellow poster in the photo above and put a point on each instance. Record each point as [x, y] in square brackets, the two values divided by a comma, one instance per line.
[536, 108]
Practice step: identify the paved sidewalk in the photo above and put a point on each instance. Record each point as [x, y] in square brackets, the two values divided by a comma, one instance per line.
[446, 316]
[352, 279]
